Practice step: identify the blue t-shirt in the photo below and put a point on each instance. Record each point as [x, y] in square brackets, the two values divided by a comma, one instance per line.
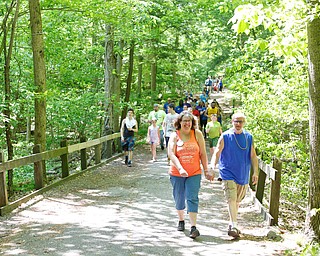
[203, 98]
[202, 116]
[178, 109]
[235, 158]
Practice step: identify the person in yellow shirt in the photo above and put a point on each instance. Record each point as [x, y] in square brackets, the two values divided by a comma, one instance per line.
[213, 109]
[214, 130]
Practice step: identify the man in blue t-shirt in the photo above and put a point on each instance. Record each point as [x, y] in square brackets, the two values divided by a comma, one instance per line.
[236, 153]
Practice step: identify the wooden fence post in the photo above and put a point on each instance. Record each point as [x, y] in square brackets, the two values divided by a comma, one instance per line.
[261, 180]
[83, 155]
[260, 186]
[3, 187]
[38, 169]
[97, 151]
[275, 192]
[64, 160]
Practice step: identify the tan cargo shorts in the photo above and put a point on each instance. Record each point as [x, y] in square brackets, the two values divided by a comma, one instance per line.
[234, 191]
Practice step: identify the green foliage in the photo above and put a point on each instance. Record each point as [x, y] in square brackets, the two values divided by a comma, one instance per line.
[312, 249]
[271, 77]
[73, 114]
[23, 179]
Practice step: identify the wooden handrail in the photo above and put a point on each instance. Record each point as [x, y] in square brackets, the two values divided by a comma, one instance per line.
[32, 159]
[274, 173]
[54, 153]
[37, 159]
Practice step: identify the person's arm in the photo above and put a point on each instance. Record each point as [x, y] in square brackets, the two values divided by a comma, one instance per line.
[203, 154]
[159, 136]
[217, 152]
[135, 129]
[171, 153]
[148, 135]
[255, 165]
[122, 129]
[207, 128]
[164, 125]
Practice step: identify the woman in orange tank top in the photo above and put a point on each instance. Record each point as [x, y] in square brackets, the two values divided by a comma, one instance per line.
[186, 150]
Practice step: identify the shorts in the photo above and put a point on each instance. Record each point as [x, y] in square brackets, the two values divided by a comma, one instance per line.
[186, 189]
[213, 142]
[128, 143]
[234, 191]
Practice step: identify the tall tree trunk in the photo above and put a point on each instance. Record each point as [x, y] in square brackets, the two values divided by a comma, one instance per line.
[129, 79]
[117, 89]
[7, 90]
[109, 78]
[153, 73]
[174, 71]
[108, 86]
[4, 22]
[39, 76]
[313, 213]
[139, 84]
[117, 94]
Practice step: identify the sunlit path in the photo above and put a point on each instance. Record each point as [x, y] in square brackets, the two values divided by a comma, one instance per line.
[117, 210]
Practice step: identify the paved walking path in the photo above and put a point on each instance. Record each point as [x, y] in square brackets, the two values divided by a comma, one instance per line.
[117, 210]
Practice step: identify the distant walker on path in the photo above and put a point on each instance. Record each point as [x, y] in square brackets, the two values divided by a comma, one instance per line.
[129, 126]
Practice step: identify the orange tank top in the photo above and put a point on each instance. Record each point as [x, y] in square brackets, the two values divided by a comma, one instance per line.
[188, 154]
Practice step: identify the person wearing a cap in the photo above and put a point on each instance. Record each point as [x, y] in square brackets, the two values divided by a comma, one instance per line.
[160, 115]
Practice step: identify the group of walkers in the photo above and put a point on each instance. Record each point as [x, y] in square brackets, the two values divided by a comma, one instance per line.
[183, 130]
[213, 85]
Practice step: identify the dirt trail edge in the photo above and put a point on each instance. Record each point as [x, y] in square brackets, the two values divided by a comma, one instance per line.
[118, 210]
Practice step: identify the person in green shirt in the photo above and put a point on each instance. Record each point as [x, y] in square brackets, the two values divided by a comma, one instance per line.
[214, 130]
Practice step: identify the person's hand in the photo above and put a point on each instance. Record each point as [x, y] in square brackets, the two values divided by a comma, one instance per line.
[209, 174]
[254, 179]
[183, 172]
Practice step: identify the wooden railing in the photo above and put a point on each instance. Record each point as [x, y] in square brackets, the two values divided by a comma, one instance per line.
[274, 174]
[39, 157]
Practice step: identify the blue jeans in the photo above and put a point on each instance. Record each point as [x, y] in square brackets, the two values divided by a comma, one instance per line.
[186, 189]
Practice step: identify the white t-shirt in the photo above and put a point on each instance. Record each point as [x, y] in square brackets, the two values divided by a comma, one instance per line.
[169, 120]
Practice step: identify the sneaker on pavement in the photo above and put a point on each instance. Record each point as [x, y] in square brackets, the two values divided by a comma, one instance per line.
[181, 225]
[234, 232]
[194, 232]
